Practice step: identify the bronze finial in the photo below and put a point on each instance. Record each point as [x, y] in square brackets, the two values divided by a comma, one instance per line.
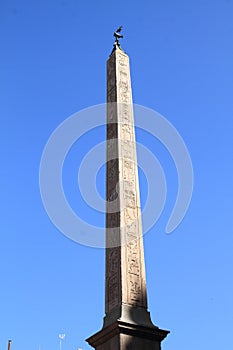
[117, 36]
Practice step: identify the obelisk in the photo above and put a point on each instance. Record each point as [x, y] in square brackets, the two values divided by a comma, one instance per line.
[127, 323]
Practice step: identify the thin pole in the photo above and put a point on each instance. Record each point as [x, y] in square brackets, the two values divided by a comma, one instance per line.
[9, 345]
[61, 337]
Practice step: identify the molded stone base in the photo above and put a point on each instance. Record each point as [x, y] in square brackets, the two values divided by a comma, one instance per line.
[126, 336]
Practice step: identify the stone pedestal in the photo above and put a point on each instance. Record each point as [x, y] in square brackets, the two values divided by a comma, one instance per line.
[122, 335]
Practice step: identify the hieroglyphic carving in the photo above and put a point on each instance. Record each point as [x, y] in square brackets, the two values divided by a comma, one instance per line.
[126, 132]
[112, 260]
[129, 165]
[133, 270]
[113, 290]
[133, 261]
[125, 97]
[113, 178]
[131, 231]
[111, 81]
[130, 199]
[123, 84]
[128, 172]
[122, 61]
[125, 112]
[111, 94]
[124, 224]
[135, 290]
[131, 203]
[130, 215]
[123, 78]
[127, 149]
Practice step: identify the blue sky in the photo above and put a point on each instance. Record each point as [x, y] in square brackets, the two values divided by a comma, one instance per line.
[53, 64]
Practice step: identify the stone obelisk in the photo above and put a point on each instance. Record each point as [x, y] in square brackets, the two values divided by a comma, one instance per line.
[127, 324]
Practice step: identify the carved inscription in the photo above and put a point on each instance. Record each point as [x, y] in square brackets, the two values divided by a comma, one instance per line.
[122, 60]
[124, 93]
[127, 149]
[112, 180]
[130, 215]
[125, 118]
[135, 290]
[126, 132]
[128, 172]
[124, 269]
[125, 97]
[131, 232]
[113, 260]
[113, 291]
[130, 199]
[112, 276]
[134, 280]
[123, 86]
[111, 81]
[125, 113]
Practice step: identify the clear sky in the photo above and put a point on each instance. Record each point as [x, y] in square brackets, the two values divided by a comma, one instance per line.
[53, 64]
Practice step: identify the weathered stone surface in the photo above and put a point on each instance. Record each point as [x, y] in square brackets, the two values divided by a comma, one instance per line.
[126, 283]
[127, 324]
